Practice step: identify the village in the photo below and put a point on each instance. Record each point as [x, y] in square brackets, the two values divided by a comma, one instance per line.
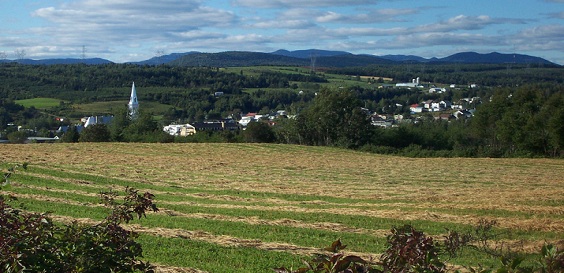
[443, 110]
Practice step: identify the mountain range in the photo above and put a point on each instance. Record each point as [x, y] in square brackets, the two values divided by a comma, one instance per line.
[309, 57]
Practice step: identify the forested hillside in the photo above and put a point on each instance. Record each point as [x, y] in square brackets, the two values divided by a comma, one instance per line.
[517, 107]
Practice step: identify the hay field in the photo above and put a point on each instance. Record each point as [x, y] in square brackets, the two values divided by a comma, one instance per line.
[252, 207]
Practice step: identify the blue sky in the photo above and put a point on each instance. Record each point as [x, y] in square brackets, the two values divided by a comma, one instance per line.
[133, 30]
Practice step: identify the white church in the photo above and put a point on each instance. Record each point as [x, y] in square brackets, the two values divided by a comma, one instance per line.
[133, 104]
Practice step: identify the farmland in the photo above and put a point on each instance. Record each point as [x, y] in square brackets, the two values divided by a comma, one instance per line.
[252, 207]
[40, 103]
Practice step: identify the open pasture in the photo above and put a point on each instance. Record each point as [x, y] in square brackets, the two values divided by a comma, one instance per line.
[40, 103]
[252, 207]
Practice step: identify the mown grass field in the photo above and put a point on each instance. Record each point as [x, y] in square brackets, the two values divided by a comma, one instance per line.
[334, 80]
[252, 207]
[39, 103]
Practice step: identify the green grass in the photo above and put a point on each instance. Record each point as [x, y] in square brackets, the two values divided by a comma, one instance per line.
[39, 103]
[214, 258]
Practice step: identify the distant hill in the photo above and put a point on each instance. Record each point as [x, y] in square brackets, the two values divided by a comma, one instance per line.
[308, 53]
[163, 59]
[322, 58]
[404, 58]
[91, 61]
[350, 60]
[237, 58]
[492, 58]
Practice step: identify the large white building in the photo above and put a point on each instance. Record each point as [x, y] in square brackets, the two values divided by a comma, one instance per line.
[180, 129]
[414, 83]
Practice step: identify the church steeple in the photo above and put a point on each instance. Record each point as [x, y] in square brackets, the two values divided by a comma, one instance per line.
[133, 104]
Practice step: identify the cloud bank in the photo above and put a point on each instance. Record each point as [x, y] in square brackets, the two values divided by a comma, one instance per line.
[127, 30]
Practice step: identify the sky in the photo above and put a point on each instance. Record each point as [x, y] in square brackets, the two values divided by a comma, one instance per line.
[135, 30]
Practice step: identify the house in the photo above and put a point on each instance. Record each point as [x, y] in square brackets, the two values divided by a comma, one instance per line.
[97, 120]
[462, 114]
[244, 121]
[381, 121]
[415, 108]
[437, 90]
[445, 104]
[180, 129]
[42, 139]
[217, 125]
[250, 117]
[427, 104]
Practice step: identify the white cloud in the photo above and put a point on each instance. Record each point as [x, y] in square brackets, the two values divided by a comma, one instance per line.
[116, 21]
[553, 32]
[301, 3]
[547, 37]
[463, 22]
[125, 28]
[375, 16]
[283, 24]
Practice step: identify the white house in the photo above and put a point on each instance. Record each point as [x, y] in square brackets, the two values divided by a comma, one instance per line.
[427, 104]
[244, 121]
[97, 120]
[437, 90]
[415, 108]
[180, 129]
[445, 104]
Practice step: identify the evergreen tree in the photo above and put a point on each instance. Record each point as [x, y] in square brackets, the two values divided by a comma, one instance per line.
[120, 121]
[95, 133]
[71, 135]
[259, 132]
[335, 118]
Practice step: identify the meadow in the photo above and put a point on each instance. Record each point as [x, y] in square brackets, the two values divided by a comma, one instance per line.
[39, 103]
[253, 207]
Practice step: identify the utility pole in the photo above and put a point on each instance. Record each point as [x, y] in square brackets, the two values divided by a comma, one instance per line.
[313, 58]
[20, 54]
[83, 52]
[159, 54]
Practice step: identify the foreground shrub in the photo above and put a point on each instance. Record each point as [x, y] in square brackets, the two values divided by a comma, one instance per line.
[336, 262]
[31, 242]
[409, 250]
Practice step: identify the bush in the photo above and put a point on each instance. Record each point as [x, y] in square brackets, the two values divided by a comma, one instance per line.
[31, 242]
[410, 250]
[259, 132]
[95, 133]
